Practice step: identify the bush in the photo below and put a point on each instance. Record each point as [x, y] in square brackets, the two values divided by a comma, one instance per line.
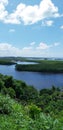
[11, 92]
[33, 111]
[1, 84]
[5, 105]
[4, 90]
[8, 81]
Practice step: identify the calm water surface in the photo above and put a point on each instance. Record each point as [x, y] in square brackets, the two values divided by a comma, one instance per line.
[26, 63]
[38, 80]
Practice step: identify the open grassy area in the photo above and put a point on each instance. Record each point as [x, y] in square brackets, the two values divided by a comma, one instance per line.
[43, 66]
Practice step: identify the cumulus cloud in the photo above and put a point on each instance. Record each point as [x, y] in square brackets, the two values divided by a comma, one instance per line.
[9, 50]
[3, 12]
[4, 2]
[5, 46]
[28, 14]
[43, 46]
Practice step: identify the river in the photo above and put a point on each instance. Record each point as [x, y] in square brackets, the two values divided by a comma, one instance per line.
[36, 79]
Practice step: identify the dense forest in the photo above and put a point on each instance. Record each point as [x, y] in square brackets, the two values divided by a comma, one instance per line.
[23, 107]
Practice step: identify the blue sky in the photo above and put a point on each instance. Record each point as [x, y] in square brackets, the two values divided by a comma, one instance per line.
[31, 28]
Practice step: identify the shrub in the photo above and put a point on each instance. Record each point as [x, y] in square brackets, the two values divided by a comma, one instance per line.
[4, 90]
[8, 81]
[33, 111]
[11, 92]
[5, 105]
[1, 84]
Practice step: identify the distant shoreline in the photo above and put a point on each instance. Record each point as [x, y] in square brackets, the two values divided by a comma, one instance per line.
[46, 66]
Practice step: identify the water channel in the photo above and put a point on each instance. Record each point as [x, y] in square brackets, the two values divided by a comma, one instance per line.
[36, 79]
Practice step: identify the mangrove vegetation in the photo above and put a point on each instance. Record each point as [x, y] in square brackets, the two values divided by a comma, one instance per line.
[48, 66]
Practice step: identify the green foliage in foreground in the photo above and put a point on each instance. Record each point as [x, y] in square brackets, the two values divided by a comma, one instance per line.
[23, 107]
[16, 117]
[49, 100]
[42, 66]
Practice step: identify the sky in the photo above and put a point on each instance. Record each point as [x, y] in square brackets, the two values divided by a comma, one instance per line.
[31, 28]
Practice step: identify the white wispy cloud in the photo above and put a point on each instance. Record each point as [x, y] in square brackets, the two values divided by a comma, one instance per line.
[56, 44]
[27, 48]
[61, 27]
[47, 23]
[12, 30]
[29, 14]
[30, 47]
[32, 43]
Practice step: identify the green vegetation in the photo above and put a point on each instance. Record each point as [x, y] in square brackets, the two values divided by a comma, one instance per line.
[13, 116]
[47, 66]
[6, 62]
[23, 107]
[13, 60]
[42, 66]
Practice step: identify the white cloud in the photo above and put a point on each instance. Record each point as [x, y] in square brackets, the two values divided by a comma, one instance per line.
[7, 49]
[61, 27]
[32, 43]
[27, 48]
[43, 46]
[3, 12]
[47, 23]
[30, 47]
[5, 2]
[4, 46]
[12, 30]
[28, 14]
[56, 44]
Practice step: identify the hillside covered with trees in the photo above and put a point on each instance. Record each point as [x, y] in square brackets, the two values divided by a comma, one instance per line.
[22, 107]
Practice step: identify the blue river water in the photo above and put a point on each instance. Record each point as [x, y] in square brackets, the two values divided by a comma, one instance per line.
[36, 79]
